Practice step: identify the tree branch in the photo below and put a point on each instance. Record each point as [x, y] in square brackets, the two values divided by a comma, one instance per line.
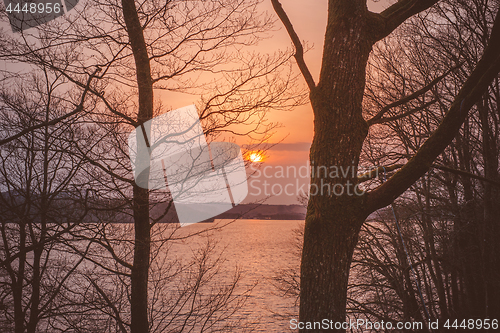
[384, 169]
[465, 174]
[78, 109]
[377, 171]
[474, 87]
[98, 94]
[401, 115]
[376, 119]
[399, 12]
[299, 50]
[111, 304]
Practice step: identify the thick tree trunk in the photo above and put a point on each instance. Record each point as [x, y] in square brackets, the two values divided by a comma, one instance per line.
[491, 233]
[335, 211]
[333, 220]
[329, 242]
[18, 279]
[140, 268]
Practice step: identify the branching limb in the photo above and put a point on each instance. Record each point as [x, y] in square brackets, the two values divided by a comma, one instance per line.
[98, 94]
[78, 109]
[392, 17]
[299, 50]
[378, 117]
[465, 174]
[485, 72]
[402, 115]
[378, 171]
[111, 304]
[384, 169]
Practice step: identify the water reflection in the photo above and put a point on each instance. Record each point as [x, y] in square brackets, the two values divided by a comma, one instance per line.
[260, 248]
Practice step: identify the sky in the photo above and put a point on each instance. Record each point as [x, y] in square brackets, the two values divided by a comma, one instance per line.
[291, 141]
[282, 176]
[296, 131]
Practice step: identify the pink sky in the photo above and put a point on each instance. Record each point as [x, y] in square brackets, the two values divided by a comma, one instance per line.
[296, 132]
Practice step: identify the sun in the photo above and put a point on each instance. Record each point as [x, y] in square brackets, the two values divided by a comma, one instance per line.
[255, 156]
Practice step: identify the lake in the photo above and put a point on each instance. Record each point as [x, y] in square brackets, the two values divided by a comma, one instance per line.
[260, 248]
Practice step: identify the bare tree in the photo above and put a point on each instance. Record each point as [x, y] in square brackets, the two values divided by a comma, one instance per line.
[139, 49]
[333, 222]
[445, 216]
[44, 197]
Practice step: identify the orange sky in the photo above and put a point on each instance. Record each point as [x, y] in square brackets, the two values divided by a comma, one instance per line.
[296, 131]
[309, 23]
[297, 126]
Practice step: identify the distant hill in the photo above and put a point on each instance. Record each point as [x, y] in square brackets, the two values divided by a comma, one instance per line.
[68, 207]
[244, 211]
[265, 212]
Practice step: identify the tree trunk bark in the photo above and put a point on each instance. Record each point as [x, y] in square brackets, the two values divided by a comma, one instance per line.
[491, 211]
[329, 242]
[142, 245]
[140, 268]
[335, 212]
[17, 281]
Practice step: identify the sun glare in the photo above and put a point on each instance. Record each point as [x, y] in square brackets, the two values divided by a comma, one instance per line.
[255, 156]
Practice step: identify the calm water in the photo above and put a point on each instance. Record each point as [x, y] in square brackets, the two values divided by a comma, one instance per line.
[260, 248]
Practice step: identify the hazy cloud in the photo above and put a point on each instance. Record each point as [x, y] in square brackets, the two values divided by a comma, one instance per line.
[296, 146]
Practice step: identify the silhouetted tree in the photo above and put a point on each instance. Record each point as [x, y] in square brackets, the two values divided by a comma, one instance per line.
[333, 222]
[44, 198]
[139, 49]
[446, 218]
